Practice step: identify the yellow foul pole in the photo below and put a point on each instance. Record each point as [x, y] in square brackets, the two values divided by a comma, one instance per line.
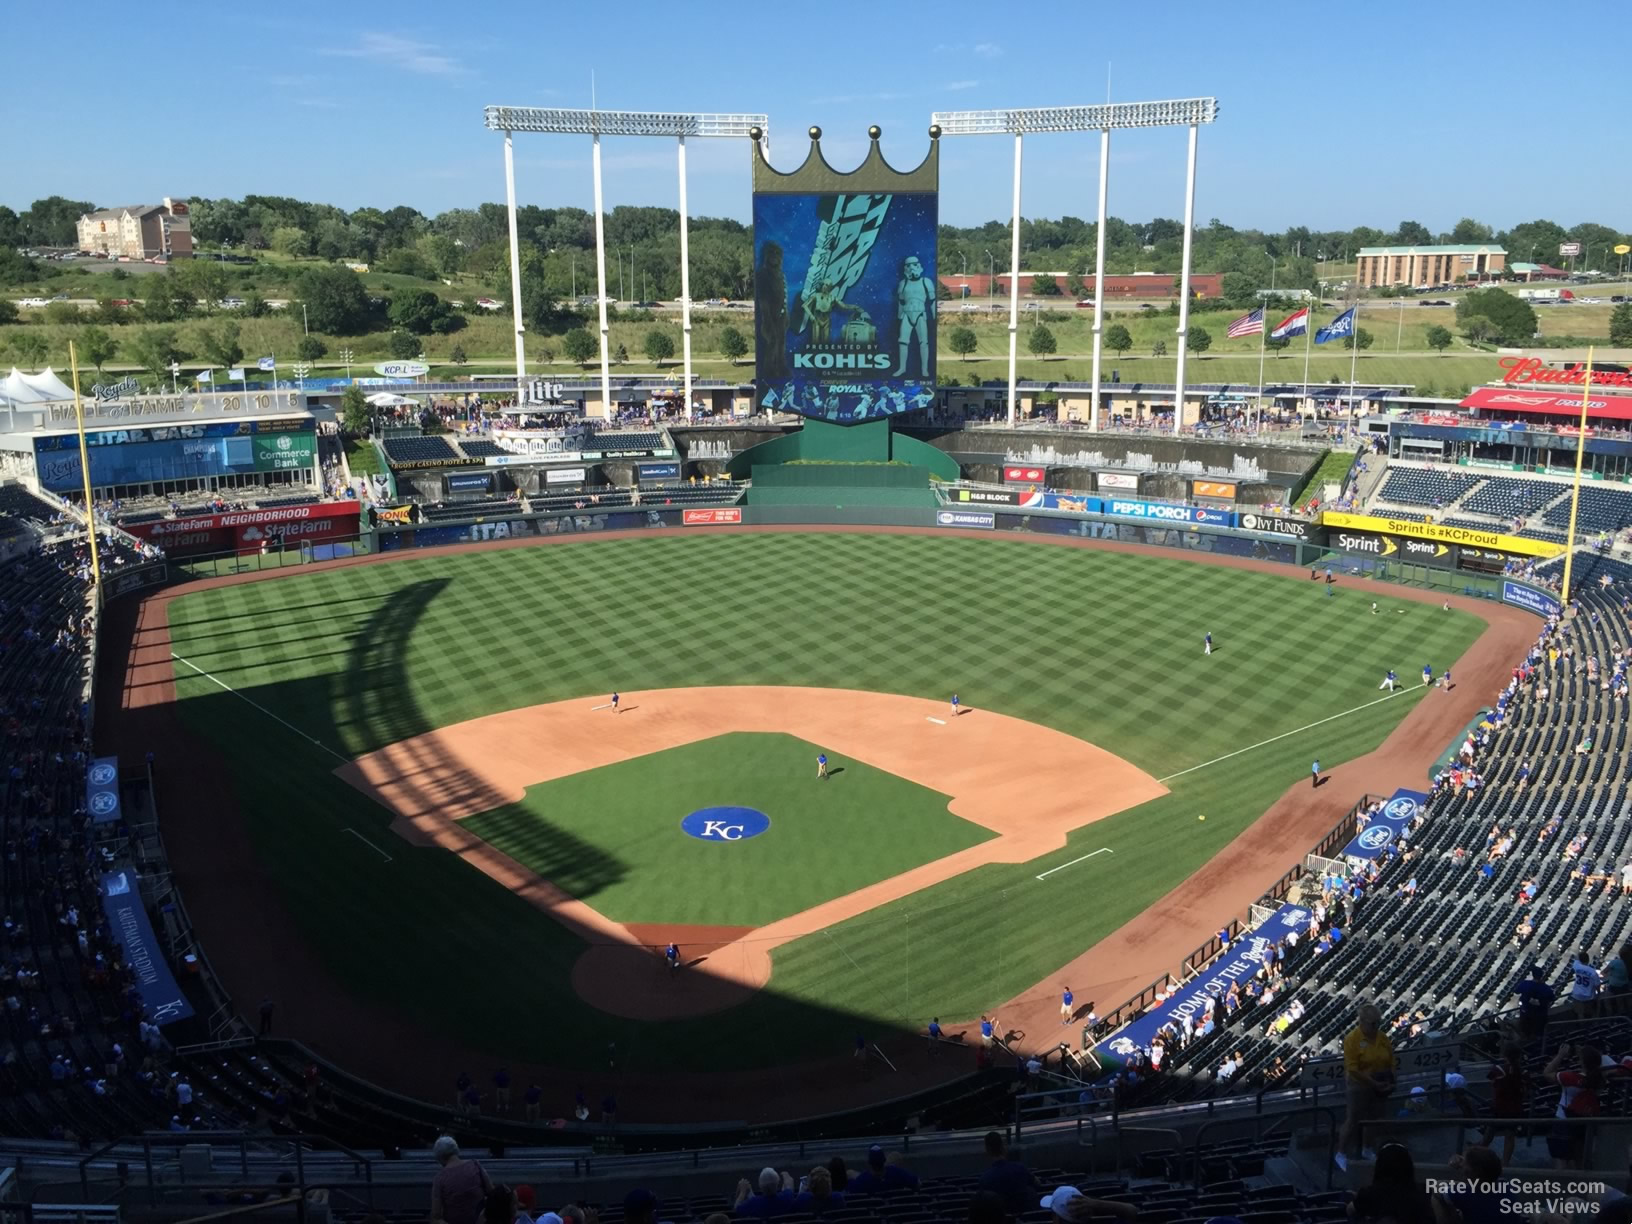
[85, 468]
[1575, 491]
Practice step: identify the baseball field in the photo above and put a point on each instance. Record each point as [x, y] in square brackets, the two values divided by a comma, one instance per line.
[424, 759]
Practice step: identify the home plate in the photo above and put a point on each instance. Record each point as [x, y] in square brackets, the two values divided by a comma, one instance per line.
[942, 721]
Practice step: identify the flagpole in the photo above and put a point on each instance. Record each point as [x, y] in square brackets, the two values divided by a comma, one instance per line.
[1308, 342]
[1575, 491]
[1354, 354]
[1263, 337]
[85, 470]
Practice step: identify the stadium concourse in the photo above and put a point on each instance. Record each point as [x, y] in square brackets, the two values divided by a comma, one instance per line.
[373, 1043]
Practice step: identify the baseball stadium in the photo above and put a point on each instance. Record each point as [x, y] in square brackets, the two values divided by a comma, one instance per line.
[631, 799]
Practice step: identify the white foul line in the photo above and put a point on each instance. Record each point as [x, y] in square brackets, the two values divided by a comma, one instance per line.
[1285, 734]
[941, 721]
[366, 842]
[605, 705]
[228, 688]
[1075, 861]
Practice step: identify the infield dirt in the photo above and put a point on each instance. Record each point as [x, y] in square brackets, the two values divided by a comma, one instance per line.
[257, 950]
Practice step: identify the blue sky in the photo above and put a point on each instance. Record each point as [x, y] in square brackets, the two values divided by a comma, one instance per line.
[1331, 115]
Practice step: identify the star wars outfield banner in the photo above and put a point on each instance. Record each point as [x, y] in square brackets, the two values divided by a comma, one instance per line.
[844, 303]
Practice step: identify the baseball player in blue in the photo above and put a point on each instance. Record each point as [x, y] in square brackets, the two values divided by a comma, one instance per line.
[1389, 681]
[955, 710]
[614, 703]
[986, 1031]
[1314, 773]
[1066, 1000]
[934, 1036]
[1427, 674]
[672, 955]
[1207, 644]
[821, 767]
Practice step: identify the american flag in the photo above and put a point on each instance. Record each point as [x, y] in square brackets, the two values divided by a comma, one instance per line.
[1247, 325]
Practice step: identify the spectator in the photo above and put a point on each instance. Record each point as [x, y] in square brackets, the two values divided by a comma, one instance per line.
[1482, 1201]
[460, 1186]
[1368, 1066]
[500, 1207]
[526, 1201]
[883, 1174]
[1536, 1000]
[1578, 1098]
[1506, 1099]
[1618, 979]
[1396, 1192]
[640, 1207]
[1069, 1203]
[817, 1196]
[1588, 982]
[840, 1173]
[1006, 1177]
[774, 1197]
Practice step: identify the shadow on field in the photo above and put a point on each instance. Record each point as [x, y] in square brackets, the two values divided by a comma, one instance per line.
[410, 971]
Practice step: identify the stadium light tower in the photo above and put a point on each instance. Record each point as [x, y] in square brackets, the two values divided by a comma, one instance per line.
[1101, 118]
[595, 124]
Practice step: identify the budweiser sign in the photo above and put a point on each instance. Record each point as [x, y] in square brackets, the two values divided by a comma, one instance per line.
[1531, 370]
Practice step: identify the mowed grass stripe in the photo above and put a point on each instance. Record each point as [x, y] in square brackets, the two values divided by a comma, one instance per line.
[1104, 646]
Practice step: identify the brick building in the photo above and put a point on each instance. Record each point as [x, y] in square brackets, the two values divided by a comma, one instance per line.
[139, 231]
[1415, 266]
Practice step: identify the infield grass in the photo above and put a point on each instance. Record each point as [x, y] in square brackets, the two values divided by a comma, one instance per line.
[826, 839]
[1105, 646]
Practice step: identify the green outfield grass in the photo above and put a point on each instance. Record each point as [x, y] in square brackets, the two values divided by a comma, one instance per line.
[1104, 646]
[631, 812]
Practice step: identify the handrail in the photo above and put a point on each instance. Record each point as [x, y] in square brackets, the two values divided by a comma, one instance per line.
[1259, 1134]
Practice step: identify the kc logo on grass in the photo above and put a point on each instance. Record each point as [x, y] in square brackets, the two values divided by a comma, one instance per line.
[725, 824]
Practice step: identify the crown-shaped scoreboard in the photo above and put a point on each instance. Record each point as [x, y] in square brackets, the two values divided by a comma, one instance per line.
[845, 286]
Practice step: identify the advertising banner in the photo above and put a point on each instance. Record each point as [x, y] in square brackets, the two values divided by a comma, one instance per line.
[1438, 531]
[470, 482]
[1275, 524]
[282, 452]
[134, 578]
[966, 518]
[657, 471]
[1025, 475]
[566, 476]
[1401, 548]
[1387, 825]
[1123, 482]
[508, 460]
[102, 790]
[709, 518]
[563, 524]
[1240, 962]
[1167, 513]
[1187, 538]
[161, 997]
[1549, 403]
[990, 497]
[844, 297]
[1530, 599]
[249, 530]
[396, 514]
[1223, 489]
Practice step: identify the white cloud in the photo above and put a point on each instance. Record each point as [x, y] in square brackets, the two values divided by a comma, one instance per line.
[988, 50]
[405, 53]
[957, 85]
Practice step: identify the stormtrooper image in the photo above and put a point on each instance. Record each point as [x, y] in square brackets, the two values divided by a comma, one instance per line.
[915, 312]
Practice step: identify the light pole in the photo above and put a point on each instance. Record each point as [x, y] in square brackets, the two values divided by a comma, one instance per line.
[991, 278]
[964, 269]
[305, 326]
[598, 123]
[345, 356]
[175, 372]
[302, 369]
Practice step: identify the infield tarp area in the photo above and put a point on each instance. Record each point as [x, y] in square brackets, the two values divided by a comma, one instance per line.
[1238, 963]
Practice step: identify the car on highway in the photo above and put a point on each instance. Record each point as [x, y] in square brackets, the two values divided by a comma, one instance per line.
[33, 303]
[1086, 304]
[231, 303]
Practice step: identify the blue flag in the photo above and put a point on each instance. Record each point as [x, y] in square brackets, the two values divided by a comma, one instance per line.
[1338, 328]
